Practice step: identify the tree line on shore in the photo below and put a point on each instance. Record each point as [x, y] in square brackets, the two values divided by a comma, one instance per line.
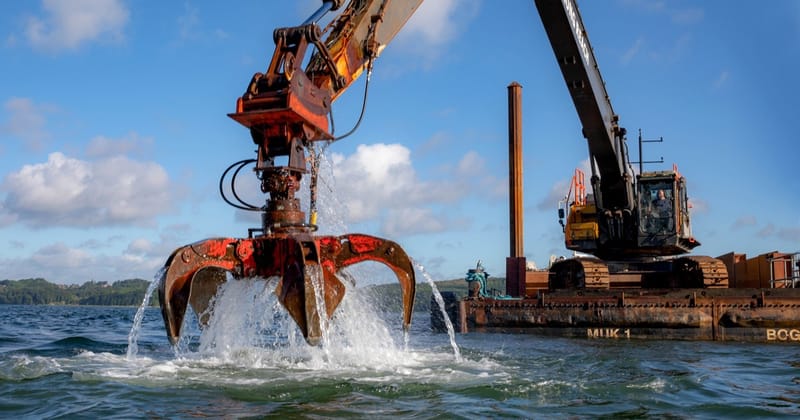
[38, 291]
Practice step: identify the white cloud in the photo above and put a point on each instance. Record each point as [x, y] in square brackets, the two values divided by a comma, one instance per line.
[102, 146]
[555, 195]
[470, 163]
[378, 183]
[139, 246]
[68, 24]
[432, 22]
[435, 24]
[413, 220]
[632, 51]
[60, 256]
[26, 121]
[94, 260]
[561, 187]
[64, 264]
[146, 256]
[69, 192]
[375, 177]
[471, 174]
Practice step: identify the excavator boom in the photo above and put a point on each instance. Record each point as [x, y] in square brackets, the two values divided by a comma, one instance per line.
[570, 42]
[356, 37]
[287, 109]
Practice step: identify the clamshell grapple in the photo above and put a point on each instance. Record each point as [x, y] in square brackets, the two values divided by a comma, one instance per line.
[287, 112]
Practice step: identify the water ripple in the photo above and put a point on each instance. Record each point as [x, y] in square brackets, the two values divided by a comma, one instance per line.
[82, 370]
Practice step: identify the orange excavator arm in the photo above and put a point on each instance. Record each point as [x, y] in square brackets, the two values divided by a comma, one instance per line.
[356, 38]
[287, 109]
[295, 101]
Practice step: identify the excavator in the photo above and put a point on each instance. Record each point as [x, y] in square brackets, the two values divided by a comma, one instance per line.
[288, 111]
[630, 230]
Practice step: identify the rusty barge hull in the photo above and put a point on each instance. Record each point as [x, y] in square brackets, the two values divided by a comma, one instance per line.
[754, 315]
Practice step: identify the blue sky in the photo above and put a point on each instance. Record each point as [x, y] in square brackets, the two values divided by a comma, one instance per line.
[113, 127]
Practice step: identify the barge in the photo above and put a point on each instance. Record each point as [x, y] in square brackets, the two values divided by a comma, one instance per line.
[761, 304]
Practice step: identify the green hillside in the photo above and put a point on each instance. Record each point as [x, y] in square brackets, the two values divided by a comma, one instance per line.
[39, 291]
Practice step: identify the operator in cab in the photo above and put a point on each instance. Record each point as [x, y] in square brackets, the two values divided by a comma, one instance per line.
[661, 205]
[660, 213]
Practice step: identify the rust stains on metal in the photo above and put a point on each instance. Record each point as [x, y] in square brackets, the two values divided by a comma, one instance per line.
[692, 314]
[304, 265]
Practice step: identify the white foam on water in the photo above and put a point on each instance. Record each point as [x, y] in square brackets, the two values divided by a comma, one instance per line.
[21, 367]
[251, 341]
[250, 328]
[656, 384]
[250, 331]
[251, 338]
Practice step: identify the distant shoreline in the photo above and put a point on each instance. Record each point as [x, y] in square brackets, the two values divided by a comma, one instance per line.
[38, 291]
[129, 293]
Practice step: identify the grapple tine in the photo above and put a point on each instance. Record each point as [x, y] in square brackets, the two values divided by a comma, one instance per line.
[297, 290]
[340, 252]
[193, 273]
[205, 285]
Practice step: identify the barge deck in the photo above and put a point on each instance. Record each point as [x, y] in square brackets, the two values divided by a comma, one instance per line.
[759, 315]
[761, 304]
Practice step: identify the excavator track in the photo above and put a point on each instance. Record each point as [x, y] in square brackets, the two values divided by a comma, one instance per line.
[593, 273]
[579, 273]
[701, 271]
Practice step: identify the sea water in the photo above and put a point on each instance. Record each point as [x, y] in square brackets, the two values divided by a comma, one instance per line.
[73, 361]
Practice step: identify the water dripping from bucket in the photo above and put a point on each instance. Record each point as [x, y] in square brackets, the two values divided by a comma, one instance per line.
[440, 301]
[133, 335]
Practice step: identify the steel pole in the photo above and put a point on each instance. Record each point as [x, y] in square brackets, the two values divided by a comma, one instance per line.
[515, 168]
[515, 263]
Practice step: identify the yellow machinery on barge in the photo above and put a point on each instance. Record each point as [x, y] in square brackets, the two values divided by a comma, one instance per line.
[630, 276]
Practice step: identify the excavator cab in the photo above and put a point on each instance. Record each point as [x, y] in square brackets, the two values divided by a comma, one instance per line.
[658, 202]
[664, 213]
[633, 226]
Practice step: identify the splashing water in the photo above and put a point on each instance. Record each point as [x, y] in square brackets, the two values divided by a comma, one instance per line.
[133, 335]
[314, 272]
[330, 220]
[244, 314]
[440, 301]
[249, 327]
